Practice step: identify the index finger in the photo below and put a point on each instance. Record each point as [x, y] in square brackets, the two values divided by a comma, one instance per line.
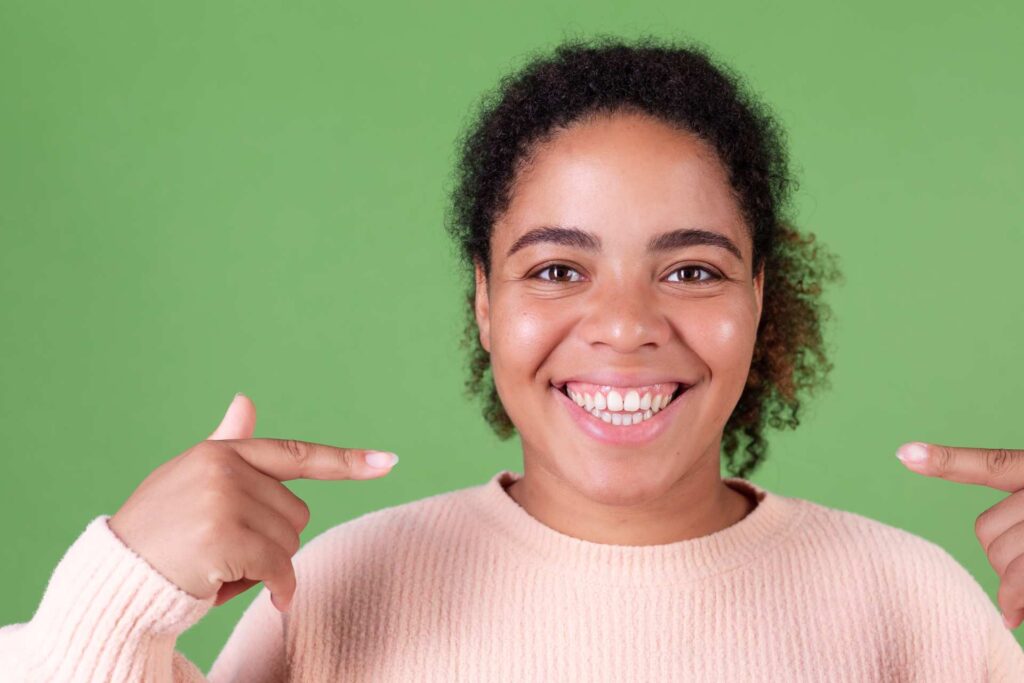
[285, 459]
[998, 468]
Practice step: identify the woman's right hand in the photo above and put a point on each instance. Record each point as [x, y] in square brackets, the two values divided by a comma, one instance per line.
[216, 519]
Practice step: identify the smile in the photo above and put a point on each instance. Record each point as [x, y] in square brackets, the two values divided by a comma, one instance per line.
[622, 405]
[622, 415]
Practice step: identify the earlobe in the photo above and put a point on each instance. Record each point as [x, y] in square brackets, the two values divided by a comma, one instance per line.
[482, 308]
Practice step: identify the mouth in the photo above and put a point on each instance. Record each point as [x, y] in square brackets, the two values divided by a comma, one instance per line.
[590, 404]
[632, 420]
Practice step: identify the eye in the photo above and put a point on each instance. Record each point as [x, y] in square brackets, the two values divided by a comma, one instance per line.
[559, 270]
[714, 275]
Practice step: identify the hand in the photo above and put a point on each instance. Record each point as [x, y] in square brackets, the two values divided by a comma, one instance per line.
[1000, 529]
[217, 519]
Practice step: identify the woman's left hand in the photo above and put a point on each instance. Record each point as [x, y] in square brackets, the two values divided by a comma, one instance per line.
[1000, 529]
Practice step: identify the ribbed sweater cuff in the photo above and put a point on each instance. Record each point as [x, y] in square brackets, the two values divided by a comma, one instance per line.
[104, 606]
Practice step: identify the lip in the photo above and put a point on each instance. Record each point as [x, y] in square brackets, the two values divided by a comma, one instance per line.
[622, 379]
[622, 435]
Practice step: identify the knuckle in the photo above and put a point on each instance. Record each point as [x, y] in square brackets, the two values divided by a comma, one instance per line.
[298, 450]
[349, 458]
[943, 461]
[1007, 593]
[279, 563]
[294, 543]
[304, 513]
[1010, 583]
[998, 460]
[981, 525]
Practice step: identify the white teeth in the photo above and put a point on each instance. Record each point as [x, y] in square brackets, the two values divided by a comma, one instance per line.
[631, 402]
[614, 400]
[616, 409]
[621, 418]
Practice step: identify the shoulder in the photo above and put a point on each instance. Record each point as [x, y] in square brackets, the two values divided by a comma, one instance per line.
[920, 592]
[897, 569]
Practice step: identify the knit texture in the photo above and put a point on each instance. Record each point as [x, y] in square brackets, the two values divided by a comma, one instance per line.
[467, 586]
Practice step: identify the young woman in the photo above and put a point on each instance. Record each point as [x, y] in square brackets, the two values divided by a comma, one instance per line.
[639, 306]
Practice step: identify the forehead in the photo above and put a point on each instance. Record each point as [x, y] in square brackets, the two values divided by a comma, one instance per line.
[624, 175]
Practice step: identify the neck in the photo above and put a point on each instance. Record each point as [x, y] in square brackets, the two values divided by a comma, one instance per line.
[698, 504]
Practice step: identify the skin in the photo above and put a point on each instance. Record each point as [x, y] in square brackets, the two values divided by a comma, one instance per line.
[216, 519]
[1000, 528]
[625, 178]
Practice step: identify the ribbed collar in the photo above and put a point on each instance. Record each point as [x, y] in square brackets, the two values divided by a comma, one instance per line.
[532, 542]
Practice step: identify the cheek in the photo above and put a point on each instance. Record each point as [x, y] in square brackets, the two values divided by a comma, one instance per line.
[522, 337]
[723, 338]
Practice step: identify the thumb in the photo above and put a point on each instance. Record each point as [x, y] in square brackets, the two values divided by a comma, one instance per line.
[239, 422]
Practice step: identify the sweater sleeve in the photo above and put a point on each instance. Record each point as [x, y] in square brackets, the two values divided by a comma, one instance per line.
[108, 615]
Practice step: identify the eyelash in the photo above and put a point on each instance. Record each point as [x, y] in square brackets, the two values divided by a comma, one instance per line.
[714, 276]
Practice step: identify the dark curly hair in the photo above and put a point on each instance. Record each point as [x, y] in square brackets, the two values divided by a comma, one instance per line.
[684, 87]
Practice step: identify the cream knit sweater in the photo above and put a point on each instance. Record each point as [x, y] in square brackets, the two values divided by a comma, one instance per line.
[467, 586]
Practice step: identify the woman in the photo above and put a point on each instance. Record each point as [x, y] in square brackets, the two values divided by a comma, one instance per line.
[638, 305]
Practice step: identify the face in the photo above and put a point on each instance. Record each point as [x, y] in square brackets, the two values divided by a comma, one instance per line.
[613, 279]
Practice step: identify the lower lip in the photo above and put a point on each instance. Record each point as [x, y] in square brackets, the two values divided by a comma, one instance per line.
[622, 435]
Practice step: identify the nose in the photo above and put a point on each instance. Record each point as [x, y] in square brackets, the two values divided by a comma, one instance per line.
[625, 317]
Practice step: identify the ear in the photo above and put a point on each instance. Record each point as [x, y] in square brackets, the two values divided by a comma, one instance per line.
[482, 307]
[759, 291]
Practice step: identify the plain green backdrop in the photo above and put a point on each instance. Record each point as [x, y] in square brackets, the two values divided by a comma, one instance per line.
[206, 198]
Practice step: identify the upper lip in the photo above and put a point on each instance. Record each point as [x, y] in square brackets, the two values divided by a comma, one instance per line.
[621, 378]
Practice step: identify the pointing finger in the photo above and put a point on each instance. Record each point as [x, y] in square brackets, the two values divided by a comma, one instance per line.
[285, 459]
[998, 468]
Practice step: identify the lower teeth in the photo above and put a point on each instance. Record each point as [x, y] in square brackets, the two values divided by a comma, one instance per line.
[622, 418]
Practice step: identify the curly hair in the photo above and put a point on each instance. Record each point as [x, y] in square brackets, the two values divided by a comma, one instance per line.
[684, 87]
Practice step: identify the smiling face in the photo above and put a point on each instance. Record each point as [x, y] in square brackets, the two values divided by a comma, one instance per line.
[612, 272]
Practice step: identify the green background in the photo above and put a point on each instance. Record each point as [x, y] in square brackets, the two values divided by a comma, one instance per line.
[206, 198]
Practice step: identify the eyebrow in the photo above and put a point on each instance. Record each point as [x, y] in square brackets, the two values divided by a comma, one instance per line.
[588, 241]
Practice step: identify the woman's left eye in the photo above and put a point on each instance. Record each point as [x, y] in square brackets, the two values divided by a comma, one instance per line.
[714, 275]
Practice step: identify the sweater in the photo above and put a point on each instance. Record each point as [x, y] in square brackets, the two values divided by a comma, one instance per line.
[466, 585]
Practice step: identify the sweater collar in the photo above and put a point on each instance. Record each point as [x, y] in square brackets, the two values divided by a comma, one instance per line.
[532, 542]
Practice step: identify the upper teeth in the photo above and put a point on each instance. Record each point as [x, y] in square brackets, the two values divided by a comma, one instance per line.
[597, 399]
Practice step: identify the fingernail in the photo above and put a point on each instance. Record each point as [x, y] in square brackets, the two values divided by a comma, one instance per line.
[381, 459]
[1007, 622]
[913, 453]
[237, 395]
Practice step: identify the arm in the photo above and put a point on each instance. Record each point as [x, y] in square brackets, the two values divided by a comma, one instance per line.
[107, 615]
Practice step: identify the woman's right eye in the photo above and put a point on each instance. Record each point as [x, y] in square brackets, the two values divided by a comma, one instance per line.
[558, 269]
